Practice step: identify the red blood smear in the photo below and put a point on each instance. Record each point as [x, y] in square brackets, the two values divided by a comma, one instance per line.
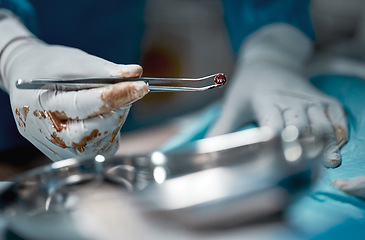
[220, 79]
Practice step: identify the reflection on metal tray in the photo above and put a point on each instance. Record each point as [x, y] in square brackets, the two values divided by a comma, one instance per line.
[215, 182]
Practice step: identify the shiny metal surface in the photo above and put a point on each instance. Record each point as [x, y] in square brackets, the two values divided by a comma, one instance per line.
[40, 203]
[86, 83]
[233, 179]
[216, 182]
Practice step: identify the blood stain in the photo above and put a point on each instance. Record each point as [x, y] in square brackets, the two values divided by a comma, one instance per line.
[220, 79]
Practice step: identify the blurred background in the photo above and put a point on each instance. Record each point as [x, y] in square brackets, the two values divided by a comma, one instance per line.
[183, 38]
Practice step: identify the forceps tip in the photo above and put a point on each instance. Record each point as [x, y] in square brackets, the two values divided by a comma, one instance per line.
[220, 79]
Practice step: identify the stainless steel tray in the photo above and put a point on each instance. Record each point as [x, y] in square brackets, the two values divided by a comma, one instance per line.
[216, 182]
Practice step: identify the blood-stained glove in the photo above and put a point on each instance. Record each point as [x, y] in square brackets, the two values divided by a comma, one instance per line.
[270, 87]
[65, 124]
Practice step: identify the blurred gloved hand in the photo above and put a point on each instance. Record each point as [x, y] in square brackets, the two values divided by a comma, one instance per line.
[270, 87]
[73, 123]
[353, 186]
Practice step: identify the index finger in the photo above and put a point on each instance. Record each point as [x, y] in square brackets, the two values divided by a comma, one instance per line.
[92, 102]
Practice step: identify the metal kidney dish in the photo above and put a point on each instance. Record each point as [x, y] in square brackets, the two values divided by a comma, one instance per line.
[216, 182]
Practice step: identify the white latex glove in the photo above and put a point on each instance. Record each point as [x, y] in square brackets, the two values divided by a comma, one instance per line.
[353, 186]
[269, 87]
[73, 123]
[346, 57]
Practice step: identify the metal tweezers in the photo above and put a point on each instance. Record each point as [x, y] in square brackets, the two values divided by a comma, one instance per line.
[86, 83]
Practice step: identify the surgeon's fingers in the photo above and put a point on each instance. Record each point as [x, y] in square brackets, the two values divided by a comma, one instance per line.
[92, 102]
[297, 116]
[79, 134]
[126, 71]
[353, 186]
[272, 117]
[337, 116]
[104, 147]
[49, 150]
[320, 122]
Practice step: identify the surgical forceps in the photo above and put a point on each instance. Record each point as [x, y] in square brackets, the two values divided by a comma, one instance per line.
[86, 83]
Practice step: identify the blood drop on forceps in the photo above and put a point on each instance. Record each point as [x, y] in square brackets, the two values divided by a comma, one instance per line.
[220, 79]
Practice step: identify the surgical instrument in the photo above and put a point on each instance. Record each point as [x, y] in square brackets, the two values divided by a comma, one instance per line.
[93, 82]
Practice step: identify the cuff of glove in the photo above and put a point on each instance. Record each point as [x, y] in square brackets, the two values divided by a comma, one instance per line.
[12, 30]
[11, 27]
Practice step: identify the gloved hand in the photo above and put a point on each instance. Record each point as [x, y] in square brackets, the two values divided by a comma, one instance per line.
[270, 87]
[353, 186]
[73, 123]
